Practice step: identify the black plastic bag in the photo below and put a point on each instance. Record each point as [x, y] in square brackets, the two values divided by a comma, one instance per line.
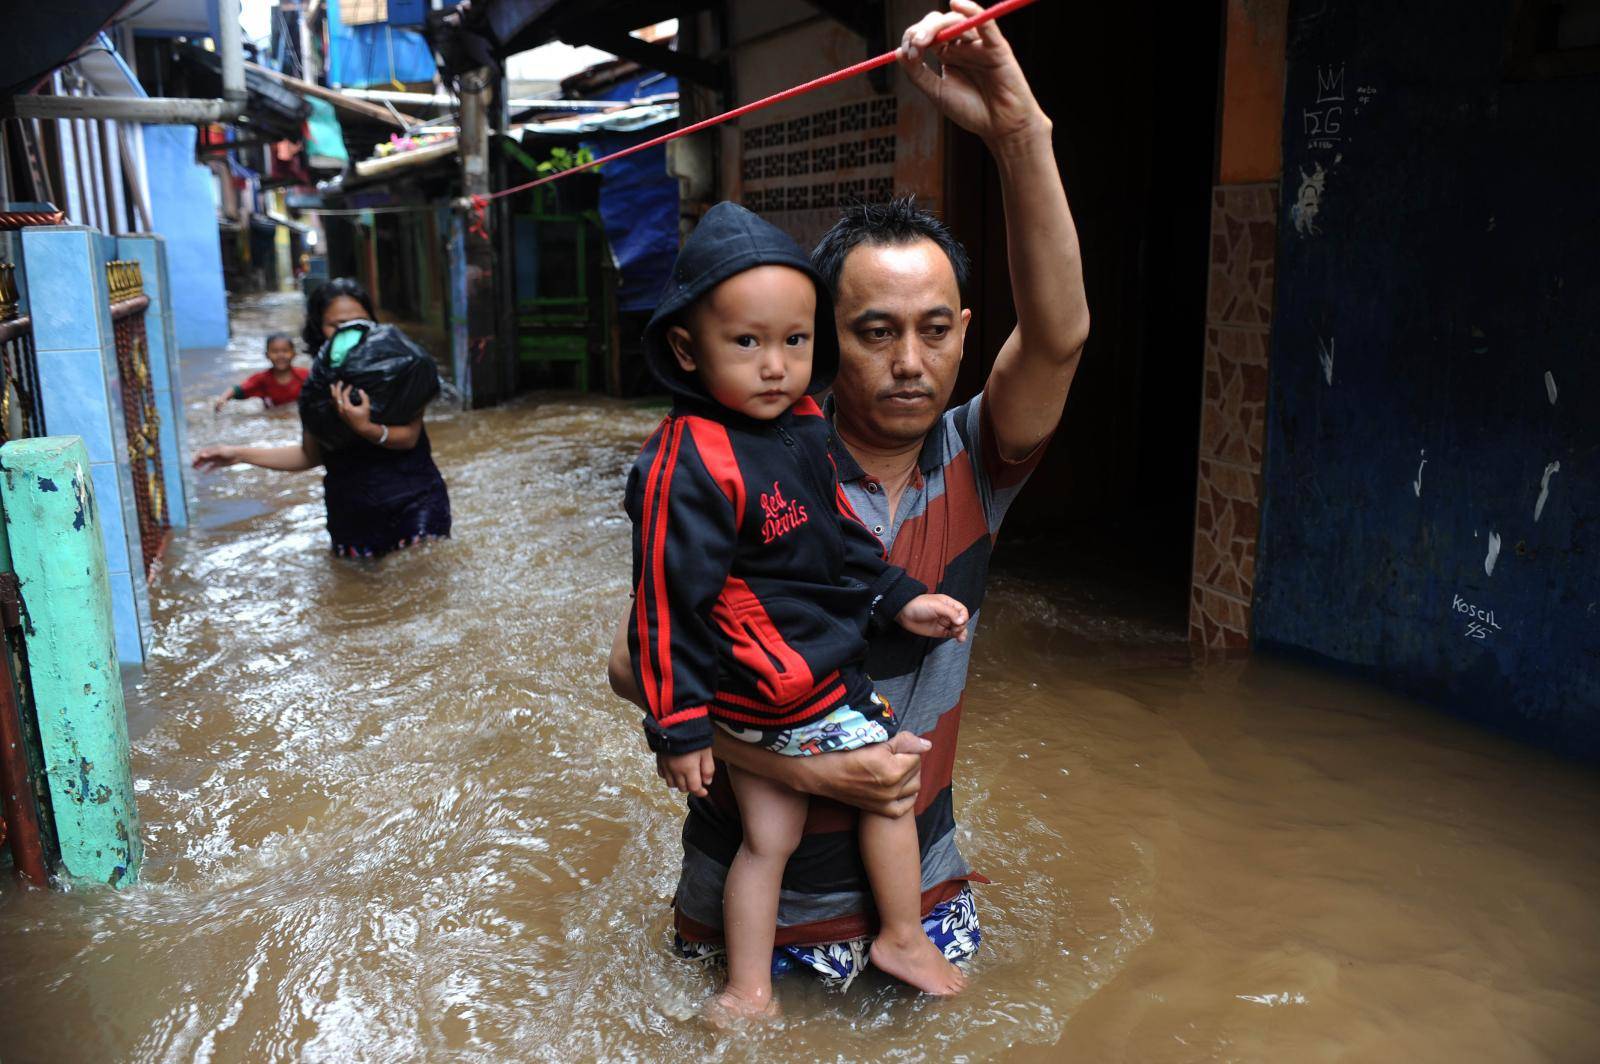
[396, 376]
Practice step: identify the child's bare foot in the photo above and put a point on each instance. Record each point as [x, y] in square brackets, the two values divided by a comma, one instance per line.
[913, 958]
[732, 1008]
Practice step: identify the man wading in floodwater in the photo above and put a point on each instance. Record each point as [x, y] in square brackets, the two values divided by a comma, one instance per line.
[933, 485]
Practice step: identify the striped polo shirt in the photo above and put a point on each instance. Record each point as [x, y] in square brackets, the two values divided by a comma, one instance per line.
[942, 534]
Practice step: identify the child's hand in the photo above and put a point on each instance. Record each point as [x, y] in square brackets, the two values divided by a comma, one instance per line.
[939, 616]
[221, 402]
[690, 773]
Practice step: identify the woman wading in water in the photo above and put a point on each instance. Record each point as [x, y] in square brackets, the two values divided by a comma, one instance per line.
[382, 491]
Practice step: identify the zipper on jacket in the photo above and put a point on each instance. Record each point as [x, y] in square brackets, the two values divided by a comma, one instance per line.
[806, 471]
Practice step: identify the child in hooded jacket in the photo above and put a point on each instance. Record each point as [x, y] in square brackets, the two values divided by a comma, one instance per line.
[755, 582]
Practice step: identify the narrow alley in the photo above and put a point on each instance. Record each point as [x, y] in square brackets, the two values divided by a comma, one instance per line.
[392, 811]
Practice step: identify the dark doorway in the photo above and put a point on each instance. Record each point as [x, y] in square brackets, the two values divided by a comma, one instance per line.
[1133, 92]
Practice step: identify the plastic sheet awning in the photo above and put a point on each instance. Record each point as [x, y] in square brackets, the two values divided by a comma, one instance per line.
[626, 120]
[377, 54]
[638, 199]
[325, 148]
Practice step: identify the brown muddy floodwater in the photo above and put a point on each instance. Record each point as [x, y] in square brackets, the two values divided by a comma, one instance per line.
[393, 813]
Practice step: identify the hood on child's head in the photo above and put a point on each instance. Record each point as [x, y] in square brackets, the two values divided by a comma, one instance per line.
[730, 240]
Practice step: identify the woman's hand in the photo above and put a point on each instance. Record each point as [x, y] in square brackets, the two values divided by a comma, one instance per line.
[217, 457]
[290, 459]
[353, 408]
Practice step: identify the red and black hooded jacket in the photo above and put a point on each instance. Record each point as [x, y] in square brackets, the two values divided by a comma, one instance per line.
[754, 580]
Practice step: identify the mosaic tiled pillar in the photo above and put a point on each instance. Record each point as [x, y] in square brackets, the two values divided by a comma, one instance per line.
[1233, 413]
[70, 301]
[149, 250]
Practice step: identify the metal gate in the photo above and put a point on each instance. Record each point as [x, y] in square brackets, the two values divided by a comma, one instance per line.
[21, 413]
[128, 305]
[22, 791]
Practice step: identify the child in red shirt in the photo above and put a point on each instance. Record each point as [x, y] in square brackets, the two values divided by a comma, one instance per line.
[278, 386]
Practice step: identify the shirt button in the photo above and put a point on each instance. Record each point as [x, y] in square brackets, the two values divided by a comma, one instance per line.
[872, 486]
[877, 530]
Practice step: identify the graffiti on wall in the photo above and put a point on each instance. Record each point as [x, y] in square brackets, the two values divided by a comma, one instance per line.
[1325, 357]
[1480, 624]
[1544, 489]
[1327, 128]
[1447, 473]
[1323, 121]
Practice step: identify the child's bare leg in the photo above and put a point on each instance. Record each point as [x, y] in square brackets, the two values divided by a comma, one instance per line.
[894, 867]
[773, 817]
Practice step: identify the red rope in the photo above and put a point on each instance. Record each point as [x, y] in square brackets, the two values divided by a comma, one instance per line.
[1004, 7]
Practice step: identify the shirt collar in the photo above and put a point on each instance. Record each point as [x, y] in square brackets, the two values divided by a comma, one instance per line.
[929, 460]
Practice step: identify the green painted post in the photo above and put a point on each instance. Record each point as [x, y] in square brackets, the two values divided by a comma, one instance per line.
[60, 560]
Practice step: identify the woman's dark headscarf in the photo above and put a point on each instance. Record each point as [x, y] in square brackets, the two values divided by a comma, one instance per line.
[317, 306]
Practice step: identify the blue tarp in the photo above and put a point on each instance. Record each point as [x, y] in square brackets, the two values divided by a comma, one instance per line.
[376, 54]
[639, 203]
[181, 197]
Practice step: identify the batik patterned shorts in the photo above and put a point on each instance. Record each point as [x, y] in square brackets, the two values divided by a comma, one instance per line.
[952, 925]
[846, 728]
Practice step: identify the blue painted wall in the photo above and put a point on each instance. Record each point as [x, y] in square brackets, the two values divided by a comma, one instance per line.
[74, 339]
[182, 201]
[1436, 350]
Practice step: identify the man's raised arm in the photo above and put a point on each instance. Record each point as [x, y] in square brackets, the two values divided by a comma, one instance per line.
[984, 91]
